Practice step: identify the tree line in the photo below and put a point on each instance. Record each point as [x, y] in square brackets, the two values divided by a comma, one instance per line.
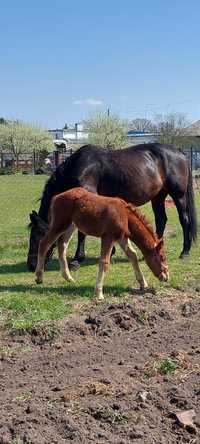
[109, 131]
[18, 137]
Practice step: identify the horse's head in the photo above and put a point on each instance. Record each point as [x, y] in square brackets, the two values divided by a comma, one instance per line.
[156, 260]
[38, 229]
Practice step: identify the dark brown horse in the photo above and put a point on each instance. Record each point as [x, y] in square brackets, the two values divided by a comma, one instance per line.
[137, 174]
[111, 219]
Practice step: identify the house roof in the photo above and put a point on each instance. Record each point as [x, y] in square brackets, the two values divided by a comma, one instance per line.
[194, 129]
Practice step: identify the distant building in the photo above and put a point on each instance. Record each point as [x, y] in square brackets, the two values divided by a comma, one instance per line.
[136, 137]
[193, 130]
[75, 134]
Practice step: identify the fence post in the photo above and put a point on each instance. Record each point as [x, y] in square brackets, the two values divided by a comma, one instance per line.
[191, 158]
[34, 161]
[56, 158]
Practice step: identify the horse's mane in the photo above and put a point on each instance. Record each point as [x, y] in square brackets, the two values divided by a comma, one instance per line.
[54, 185]
[142, 218]
[64, 178]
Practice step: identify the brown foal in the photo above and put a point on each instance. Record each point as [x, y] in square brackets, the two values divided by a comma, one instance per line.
[111, 219]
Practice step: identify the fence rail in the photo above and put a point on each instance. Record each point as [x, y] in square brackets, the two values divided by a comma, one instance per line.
[32, 161]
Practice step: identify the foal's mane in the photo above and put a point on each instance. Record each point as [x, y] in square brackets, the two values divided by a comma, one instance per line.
[142, 218]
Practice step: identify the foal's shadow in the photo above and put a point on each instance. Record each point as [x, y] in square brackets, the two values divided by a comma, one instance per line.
[71, 291]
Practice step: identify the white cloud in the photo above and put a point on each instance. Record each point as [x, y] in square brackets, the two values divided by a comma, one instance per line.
[91, 102]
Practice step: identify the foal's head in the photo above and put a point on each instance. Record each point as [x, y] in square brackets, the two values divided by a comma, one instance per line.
[38, 229]
[156, 260]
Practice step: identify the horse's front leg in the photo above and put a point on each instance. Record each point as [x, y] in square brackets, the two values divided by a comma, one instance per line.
[106, 248]
[128, 249]
[80, 253]
[46, 242]
[63, 243]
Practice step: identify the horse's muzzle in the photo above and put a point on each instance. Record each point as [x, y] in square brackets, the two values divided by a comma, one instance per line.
[31, 264]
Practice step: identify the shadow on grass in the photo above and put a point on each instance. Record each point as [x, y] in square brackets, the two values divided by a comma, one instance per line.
[19, 267]
[53, 265]
[76, 292]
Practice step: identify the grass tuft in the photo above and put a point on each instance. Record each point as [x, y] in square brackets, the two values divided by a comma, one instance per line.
[166, 366]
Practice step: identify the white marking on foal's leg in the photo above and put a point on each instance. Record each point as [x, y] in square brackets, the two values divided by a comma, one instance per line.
[99, 283]
[63, 243]
[106, 248]
[130, 252]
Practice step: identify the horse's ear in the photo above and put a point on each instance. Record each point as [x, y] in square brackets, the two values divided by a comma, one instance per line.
[33, 217]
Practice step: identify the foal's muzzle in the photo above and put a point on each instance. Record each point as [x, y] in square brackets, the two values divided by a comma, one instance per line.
[164, 275]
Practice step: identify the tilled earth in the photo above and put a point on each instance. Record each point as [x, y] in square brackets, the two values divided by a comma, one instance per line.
[116, 374]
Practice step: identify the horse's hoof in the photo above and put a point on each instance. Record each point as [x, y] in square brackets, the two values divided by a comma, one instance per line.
[184, 255]
[74, 265]
[38, 281]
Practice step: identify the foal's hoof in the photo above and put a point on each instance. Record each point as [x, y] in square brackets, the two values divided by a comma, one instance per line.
[70, 279]
[98, 298]
[74, 265]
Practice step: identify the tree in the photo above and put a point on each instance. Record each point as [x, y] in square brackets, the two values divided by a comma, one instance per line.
[107, 131]
[173, 129]
[141, 124]
[2, 121]
[18, 137]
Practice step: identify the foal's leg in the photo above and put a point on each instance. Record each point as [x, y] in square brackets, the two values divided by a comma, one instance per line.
[106, 248]
[46, 242]
[63, 243]
[128, 249]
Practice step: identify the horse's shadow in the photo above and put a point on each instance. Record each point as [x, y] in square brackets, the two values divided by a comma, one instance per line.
[21, 267]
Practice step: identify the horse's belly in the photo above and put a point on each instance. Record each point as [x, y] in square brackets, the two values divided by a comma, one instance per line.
[136, 194]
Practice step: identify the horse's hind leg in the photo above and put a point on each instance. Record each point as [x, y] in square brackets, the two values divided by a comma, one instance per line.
[181, 206]
[158, 205]
[106, 248]
[128, 249]
[63, 243]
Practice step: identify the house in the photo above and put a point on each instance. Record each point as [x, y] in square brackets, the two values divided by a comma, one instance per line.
[194, 130]
[75, 134]
[136, 137]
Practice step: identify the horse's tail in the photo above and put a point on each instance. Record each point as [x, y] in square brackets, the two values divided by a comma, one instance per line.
[190, 208]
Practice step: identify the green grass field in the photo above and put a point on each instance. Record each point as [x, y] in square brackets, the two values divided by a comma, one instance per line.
[23, 303]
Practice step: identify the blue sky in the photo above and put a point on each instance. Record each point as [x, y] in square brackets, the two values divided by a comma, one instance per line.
[60, 61]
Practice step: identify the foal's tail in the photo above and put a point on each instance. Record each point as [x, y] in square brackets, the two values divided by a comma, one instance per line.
[190, 208]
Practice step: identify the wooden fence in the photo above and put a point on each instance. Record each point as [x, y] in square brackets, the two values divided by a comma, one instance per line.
[32, 161]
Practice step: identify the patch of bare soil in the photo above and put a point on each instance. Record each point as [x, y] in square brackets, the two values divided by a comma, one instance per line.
[120, 374]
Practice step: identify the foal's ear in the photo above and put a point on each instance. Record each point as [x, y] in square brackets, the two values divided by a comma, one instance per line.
[160, 243]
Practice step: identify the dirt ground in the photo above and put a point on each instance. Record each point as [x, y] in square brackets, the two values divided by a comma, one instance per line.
[100, 378]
